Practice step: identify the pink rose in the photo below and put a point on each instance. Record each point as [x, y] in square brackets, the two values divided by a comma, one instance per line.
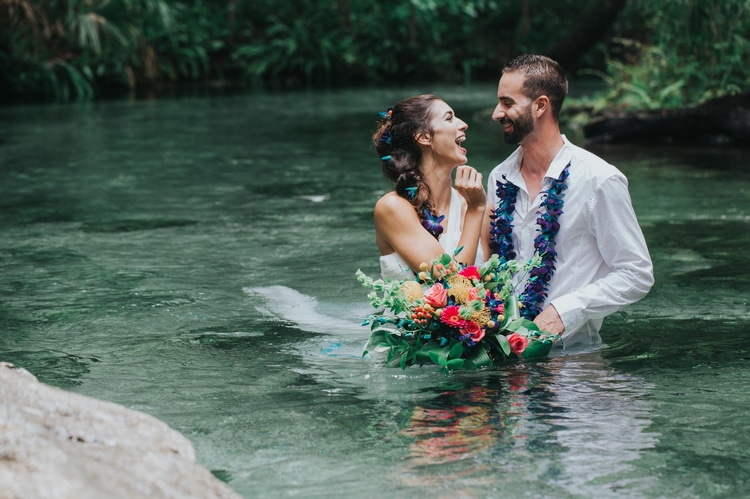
[470, 272]
[451, 317]
[476, 332]
[436, 296]
[518, 343]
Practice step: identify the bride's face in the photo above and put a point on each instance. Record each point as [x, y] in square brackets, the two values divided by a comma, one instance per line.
[448, 132]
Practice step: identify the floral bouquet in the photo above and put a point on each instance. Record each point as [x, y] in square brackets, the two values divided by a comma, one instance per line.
[455, 316]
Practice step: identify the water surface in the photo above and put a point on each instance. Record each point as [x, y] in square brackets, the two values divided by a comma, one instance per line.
[194, 258]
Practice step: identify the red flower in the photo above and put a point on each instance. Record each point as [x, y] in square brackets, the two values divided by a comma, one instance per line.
[472, 328]
[470, 272]
[518, 343]
[451, 317]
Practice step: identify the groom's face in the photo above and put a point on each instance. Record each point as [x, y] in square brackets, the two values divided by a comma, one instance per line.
[513, 110]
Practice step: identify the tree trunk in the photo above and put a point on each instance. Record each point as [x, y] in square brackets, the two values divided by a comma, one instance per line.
[345, 13]
[591, 27]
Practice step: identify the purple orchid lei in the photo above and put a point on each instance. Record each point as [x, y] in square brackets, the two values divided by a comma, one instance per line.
[432, 223]
[501, 238]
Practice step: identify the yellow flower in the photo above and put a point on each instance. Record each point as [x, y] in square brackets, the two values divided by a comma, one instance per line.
[458, 288]
[483, 317]
[412, 291]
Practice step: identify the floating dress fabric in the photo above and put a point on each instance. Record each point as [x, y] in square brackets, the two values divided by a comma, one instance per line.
[394, 267]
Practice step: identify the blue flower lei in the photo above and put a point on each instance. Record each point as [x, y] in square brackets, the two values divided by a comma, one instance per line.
[501, 237]
[432, 223]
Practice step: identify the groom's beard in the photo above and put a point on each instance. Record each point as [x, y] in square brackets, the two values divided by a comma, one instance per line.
[522, 127]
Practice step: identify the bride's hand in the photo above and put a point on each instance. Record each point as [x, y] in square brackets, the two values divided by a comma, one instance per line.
[470, 185]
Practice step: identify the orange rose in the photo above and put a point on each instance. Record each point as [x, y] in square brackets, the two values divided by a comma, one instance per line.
[437, 296]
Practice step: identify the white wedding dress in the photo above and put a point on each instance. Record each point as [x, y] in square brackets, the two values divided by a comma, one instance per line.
[392, 266]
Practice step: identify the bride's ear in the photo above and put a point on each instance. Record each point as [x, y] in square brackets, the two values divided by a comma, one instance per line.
[423, 138]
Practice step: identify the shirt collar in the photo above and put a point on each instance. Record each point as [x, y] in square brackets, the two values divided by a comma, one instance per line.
[561, 159]
[559, 162]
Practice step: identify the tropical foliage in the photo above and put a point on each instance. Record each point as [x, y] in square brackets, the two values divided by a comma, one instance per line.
[658, 52]
[677, 53]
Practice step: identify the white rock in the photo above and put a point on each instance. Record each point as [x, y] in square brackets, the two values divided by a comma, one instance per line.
[56, 444]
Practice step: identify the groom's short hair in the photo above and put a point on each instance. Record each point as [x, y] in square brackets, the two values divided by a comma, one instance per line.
[542, 76]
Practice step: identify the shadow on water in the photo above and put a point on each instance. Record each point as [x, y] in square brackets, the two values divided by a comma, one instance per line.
[134, 225]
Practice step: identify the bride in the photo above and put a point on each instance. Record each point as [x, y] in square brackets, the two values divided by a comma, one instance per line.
[419, 142]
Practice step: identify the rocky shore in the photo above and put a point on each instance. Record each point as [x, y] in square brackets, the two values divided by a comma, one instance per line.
[57, 444]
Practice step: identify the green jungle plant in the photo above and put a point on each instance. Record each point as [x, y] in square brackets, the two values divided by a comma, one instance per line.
[692, 51]
[660, 53]
[63, 49]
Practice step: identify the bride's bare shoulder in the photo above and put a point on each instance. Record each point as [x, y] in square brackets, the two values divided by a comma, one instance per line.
[392, 202]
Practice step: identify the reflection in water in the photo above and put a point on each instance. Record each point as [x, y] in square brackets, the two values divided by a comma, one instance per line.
[604, 426]
[572, 424]
[456, 425]
[572, 421]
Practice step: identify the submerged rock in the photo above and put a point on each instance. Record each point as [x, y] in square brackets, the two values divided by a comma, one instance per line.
[58, 444]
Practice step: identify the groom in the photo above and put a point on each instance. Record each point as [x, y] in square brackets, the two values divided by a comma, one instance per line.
[559, 202]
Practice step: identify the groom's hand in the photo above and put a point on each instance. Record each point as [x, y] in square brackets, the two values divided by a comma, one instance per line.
[549, 320]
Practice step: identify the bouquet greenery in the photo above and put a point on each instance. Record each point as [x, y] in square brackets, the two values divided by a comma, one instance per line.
[455, 316]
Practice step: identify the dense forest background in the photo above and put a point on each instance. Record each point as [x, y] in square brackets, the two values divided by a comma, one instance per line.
[651, 53]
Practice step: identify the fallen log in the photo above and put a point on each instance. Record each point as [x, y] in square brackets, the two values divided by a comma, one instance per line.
[725, 120]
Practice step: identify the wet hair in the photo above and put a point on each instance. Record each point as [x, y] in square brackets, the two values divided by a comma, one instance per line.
[543, 76]
[395, 141]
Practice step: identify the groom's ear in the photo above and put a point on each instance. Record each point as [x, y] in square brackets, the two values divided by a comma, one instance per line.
[542, 104]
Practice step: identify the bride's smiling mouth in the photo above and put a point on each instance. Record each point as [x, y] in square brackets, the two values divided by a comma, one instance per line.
[459, 141]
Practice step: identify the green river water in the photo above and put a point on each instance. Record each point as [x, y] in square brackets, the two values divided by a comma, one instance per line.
[194, 257]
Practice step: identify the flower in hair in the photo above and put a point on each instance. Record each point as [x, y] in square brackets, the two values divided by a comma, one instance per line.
[432, 223]
[387, 137]
[411, 191]
[387, 113]
[385, 158]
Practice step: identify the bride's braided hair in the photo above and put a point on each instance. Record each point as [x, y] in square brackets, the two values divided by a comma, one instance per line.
[395, 141]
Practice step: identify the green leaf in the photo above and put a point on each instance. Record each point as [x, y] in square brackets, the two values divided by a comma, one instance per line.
[521, 323]
[439, 357]
[454, 364]
[504, 344]
[478, 358]
[422, 356]
[537, 349]
[404, 359]
[456, 351]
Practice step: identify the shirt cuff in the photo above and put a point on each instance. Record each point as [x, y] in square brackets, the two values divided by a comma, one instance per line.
[570, 311]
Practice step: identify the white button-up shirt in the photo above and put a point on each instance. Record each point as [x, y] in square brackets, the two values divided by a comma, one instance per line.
[602, 263]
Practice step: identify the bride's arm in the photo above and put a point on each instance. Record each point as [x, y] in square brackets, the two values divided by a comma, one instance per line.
[398, 228]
